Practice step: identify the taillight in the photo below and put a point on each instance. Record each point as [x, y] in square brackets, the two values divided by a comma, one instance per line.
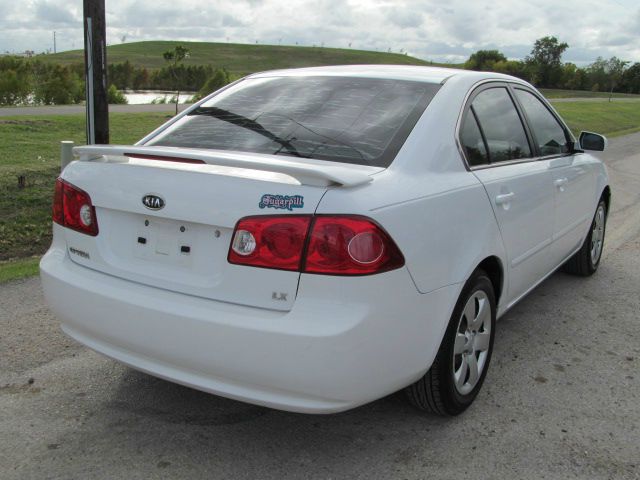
[270, 241]
[350, 245]
[325, 244]
[72, 208]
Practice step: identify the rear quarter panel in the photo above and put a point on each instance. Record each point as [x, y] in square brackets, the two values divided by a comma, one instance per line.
[442, 233]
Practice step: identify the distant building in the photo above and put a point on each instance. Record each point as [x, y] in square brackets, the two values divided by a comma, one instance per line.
[26, 53]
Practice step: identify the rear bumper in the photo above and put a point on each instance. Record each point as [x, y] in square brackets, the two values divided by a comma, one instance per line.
[347, 341]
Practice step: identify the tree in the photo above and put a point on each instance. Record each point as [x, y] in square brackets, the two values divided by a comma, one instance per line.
[140, 78]
[573, 78]
[630, 81]
[606, 74]
[615, 69]
[219, 79]
[174, 58]
[515, 68]
[57, 85]
[597, 75]
[15, 81]
[546, 61]
[484, 60]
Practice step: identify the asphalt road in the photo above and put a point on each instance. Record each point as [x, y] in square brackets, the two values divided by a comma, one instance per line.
[595, 99]
[75, 109]
[561, 400]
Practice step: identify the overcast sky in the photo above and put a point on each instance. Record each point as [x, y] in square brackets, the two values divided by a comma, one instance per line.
[434, 30]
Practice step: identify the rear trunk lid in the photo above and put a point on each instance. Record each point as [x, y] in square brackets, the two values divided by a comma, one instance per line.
[183, 246]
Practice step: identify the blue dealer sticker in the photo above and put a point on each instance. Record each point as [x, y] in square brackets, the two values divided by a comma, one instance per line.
[284, 202]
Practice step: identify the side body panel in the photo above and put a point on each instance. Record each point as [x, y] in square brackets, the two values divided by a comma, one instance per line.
[525, 219]
[576, 190]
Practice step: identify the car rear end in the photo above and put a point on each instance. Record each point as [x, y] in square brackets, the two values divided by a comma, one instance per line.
[213, 268]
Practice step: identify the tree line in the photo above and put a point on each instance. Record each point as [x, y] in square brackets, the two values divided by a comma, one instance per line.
[126, 76]
[25, 81]
[544, 68]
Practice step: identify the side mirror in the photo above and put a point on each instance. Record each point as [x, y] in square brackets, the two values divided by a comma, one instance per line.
[592, 141]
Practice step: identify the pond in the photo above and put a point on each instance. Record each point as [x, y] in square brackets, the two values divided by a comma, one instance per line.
[137, 97]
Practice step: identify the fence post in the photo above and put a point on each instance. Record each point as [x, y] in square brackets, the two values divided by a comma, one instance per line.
[66, 153]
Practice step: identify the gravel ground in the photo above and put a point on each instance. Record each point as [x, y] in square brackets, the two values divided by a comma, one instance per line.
[562, 398]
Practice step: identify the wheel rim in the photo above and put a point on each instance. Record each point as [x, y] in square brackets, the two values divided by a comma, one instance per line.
[471, 346]
[597, 235]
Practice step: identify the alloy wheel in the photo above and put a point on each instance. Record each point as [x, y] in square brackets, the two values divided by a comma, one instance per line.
[471, 347]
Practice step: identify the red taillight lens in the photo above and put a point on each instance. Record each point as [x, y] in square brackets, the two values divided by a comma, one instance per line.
[350, 245]
[58, 209]
[330, 245]
[72, 208]
[270, 241]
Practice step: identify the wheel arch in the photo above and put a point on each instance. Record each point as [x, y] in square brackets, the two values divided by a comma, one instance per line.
[493, 267]
[606, 196]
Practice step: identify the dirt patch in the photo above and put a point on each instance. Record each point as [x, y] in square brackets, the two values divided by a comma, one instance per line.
[26, 122]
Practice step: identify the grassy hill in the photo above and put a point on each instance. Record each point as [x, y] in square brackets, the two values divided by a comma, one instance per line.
[239, 59]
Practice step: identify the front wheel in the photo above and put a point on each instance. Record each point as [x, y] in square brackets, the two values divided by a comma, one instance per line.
[457, 373]
[586, 260]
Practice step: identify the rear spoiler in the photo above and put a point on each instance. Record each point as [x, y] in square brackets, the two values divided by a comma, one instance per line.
[307, 172]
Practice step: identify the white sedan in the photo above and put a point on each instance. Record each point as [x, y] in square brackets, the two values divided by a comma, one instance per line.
[314, 239]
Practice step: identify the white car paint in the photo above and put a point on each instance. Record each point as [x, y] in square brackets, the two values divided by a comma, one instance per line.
[335, 342]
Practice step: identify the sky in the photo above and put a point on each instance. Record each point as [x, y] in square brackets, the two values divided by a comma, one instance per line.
[443, 31]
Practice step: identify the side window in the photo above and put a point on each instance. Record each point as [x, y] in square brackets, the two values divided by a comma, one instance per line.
[501, 125]
[548, 132]
[472, 141]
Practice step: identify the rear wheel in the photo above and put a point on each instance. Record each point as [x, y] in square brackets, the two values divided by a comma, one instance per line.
[585, 262]
[457, 373]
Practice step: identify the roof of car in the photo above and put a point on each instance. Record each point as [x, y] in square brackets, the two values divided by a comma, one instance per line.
[397, 72]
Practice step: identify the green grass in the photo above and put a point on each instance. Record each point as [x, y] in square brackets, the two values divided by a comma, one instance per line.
[21, 268]
[552, 93]
[611, 119]
[29, 165]
[239, 59]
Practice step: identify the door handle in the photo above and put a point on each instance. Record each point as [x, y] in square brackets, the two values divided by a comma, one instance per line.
[504, 198]
[561, 182]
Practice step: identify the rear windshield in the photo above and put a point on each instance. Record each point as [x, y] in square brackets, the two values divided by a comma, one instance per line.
[342, 119]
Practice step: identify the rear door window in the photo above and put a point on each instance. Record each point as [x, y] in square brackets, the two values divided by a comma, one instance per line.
[472, 141]
[549, 134]
[501, 125]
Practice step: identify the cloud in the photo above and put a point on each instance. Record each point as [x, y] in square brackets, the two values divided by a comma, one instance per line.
[231, 21]
[49, 12]
[429, 29]
[404, 18]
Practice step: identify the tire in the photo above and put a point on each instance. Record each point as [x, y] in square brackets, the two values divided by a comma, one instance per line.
[448, 388]
[586, 260]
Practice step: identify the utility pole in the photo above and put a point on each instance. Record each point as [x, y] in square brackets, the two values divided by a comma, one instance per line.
[54, 42]
[95, 67]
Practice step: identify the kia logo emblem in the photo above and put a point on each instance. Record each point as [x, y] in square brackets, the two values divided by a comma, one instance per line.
[153, 202]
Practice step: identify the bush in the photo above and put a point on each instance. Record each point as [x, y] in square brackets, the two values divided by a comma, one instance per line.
[15, 88]
[115, 96]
